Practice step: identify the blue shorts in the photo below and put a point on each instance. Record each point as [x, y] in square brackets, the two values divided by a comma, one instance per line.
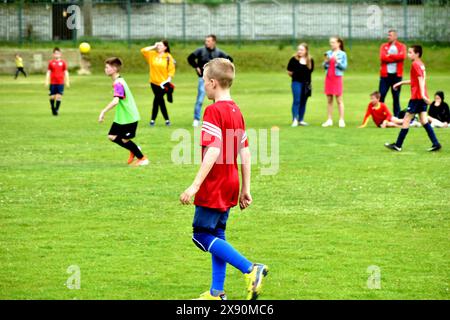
[56, 89]
[208, 219]
[416, 106]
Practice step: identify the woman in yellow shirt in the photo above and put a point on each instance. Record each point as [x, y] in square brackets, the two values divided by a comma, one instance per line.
[162, 70]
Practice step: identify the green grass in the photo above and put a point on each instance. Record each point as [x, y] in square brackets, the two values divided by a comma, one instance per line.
[256, 56]
[339, 203]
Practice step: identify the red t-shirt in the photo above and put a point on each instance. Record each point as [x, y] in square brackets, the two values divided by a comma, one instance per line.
[223, 127]
[417, 70]
[378, 113]
[57, 69]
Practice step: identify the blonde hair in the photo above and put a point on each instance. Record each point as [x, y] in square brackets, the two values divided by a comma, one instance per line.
[222, 70]
[307, 57]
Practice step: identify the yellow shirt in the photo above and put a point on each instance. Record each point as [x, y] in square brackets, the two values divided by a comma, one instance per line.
[19, 62]
[161, 67]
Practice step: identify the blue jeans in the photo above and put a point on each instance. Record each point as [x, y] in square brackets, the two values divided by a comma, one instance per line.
[385, 84]
[200, 97]
[299, 103]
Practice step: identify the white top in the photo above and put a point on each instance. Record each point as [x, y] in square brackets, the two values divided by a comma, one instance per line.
[392, 67]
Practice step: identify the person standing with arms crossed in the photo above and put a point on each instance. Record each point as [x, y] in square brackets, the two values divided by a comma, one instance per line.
[162, 70]
[197, 60]
[335, 63]
[392, 57]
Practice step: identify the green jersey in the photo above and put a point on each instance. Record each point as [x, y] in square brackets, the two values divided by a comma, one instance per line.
[126, 110]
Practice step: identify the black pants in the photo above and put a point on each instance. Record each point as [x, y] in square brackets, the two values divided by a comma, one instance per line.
[20, 69]
[385, 84]
[158, 102]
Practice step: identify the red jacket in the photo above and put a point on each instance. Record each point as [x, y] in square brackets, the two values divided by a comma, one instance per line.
[398, 58]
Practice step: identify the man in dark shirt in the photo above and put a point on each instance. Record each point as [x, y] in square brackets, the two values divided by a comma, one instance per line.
[197, 60]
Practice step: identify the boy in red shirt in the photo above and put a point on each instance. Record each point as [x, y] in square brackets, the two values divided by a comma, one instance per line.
[57, 74]
[216, 186]
[380, 113]
[418, 103]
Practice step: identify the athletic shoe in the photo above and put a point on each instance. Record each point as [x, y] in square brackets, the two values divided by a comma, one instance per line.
[294, 123]
[195, 123]
[435, 147]
[130, 158]
[327, 123]
[303, 123]
[167, 123]
[392, 146]
[152, 123]
[254, 280]
[208, 296]
[341, 123]
[142, 162]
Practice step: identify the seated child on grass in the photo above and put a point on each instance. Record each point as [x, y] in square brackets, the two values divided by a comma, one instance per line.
[438, 112]
[380, 114]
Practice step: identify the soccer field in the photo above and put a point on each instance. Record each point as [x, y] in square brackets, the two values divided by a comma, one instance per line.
[339, 203]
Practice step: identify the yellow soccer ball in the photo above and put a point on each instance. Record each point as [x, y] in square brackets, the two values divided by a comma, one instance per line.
[85, 47]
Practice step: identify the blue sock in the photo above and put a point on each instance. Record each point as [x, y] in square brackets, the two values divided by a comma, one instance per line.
[431, 134]
[223, 250]
[219, 268]
[401, 137]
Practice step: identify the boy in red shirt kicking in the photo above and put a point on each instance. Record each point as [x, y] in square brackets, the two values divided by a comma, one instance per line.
[216, 186]
[380, 114]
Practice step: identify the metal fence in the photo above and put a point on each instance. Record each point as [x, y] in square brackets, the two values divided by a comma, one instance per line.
[22, 21]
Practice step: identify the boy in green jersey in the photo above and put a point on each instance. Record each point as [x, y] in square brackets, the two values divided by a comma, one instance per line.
[127, 116]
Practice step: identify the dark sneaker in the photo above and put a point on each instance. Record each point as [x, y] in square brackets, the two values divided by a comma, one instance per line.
[167, 123]
[435, 147]
[392, 146]
[152, 123]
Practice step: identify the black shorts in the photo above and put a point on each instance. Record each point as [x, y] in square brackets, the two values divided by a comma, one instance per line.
[56, 89]
[416, 106]
[124, 131]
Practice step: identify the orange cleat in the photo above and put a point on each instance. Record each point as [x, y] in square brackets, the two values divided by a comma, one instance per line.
[130, 158]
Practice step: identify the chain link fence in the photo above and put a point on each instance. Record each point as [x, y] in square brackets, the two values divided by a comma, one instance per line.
[27, 21]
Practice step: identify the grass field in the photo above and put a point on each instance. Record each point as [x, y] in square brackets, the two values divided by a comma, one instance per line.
[340, 202]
